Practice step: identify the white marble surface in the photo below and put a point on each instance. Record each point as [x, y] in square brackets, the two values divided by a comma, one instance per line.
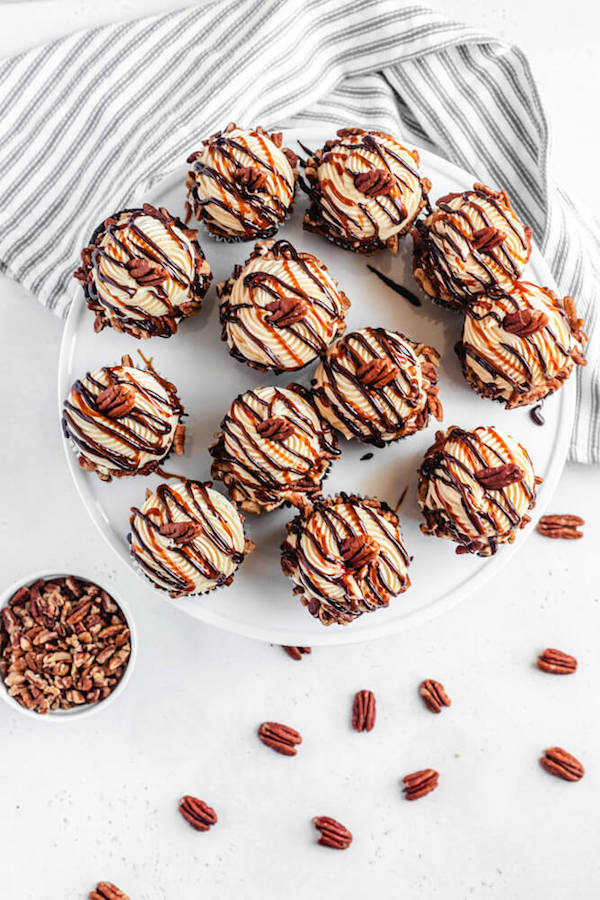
[98, 799]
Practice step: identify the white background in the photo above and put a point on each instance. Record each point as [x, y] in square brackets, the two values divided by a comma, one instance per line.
[98, 799]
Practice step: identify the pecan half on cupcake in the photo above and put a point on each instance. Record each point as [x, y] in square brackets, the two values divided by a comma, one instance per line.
[346, 557]
[122, 420]
[378, 386]
[188, 538]
[273, 448]
[475, 488]
[365, 190]
[520, 345]
[281, 309]
[143, 272]
[242, 183]
[473, 241]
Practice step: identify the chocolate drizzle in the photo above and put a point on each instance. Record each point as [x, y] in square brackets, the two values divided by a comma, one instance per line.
[258, 204]
[536, 414]
[134, 443]
[262, 471]
[281, 341]
[488, 515]
[315, 552]
[383, 413]
[177, 567]
[398, 288]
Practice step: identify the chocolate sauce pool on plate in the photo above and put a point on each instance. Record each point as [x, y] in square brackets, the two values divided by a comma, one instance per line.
[398, 288]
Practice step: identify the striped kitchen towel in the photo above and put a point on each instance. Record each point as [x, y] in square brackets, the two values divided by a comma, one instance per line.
[90, 121]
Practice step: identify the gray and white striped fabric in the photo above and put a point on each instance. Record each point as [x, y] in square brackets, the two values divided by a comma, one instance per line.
[90, 121]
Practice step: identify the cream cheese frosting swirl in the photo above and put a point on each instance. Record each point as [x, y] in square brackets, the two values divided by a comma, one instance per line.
[473, 241]
[122, 420]
[475, 488]
[188, 538]
[143, 272]
[281, 309]
[365, 190]
[377, 385]
[346, 557]
[242, 182]
[273, 447]
[520, 345]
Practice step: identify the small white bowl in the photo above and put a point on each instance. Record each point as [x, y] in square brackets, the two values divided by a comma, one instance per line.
[76, 712]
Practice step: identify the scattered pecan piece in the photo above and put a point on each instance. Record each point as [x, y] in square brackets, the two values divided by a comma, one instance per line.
[498, 477]
[364, 711]
[434, 695]
[359, 551]
[377, 373]
[374, 183]
[250, 178]
[333, 833]
[280, 738]
[106, 890]
[575, 322]
[286, 311]
[555, 662]
[525, 322]
[145, 272]
[561, 526]
[275, 428]
[198, 813]
[179, 439]
[181, 532]
[116, 401]
[291, 157]
[296, 653]
[418, 784]
[558, 762]
[485, 239]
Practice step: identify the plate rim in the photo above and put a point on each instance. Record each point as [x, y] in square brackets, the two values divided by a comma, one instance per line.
[332, 635]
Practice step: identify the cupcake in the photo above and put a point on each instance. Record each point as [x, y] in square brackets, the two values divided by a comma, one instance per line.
[143, 272]
[365, 190]
[273, 448]
[346, 557]
[472, 242]
[378, 386]
[281, 309]
[188, 538]
[122, 420]
[475, 488]
[520, 345]
[242, 183]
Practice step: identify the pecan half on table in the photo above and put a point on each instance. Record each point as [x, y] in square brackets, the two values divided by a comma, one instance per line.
[280, 738]
[418, 784]
[333, 833]
[296, 653]
[434, 695]
[197, 813]
[561, 764]
[106, 890]
[555, 662]
[364, 711]
[561, 526]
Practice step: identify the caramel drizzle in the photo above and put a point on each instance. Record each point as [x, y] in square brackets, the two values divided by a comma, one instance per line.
[374, 585]
[267, 209]
[323, 300]
[131, 242]
[159, 558]
[263, 474]
[499, 255]
[543, 344]
[81, 406]
[340, 220]
[382, 403]
[481, 455]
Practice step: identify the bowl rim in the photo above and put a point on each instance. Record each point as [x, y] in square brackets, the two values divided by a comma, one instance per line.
[76, 712]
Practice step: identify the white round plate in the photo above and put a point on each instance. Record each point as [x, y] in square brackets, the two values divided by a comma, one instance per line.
[260, 603]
